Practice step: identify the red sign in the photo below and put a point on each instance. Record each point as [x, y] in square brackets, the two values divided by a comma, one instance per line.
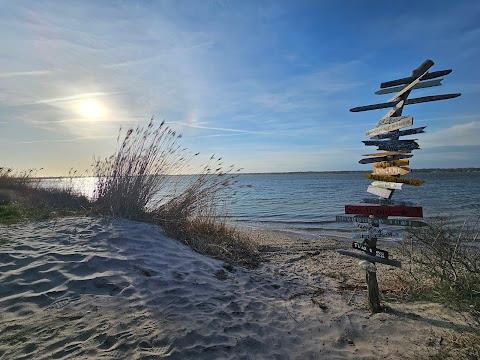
[384, 210]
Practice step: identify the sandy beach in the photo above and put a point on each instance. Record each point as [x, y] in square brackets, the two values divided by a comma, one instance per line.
[93, 288]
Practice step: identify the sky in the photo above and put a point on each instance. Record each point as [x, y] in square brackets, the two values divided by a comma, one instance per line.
[266, 84]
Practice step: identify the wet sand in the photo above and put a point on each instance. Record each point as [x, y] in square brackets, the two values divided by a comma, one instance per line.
[91, 288]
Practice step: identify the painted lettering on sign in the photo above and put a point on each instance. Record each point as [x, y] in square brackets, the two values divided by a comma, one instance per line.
[397, 133]
[403, 123]
[384, 158]
[373, 252]
[393, 170]
[385, 221]
[382, 192]
[387, 185]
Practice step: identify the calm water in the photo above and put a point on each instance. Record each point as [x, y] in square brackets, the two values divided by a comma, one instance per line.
[309, 202]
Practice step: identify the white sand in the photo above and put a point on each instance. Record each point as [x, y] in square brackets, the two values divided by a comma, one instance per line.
[88, 288]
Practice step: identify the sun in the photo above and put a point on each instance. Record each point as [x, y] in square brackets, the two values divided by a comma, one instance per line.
[91, 109]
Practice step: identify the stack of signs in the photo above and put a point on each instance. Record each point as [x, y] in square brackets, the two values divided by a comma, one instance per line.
[391, 163]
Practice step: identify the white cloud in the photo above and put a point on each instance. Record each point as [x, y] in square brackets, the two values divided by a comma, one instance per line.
[466, 134]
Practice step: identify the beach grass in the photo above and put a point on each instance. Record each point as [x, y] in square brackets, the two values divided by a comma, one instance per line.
[22, 198]
[443, 266]
[138, 182]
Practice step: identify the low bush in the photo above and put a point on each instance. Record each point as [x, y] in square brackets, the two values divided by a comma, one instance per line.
[444, 265]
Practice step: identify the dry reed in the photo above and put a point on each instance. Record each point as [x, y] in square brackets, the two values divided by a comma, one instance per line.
[139, 181]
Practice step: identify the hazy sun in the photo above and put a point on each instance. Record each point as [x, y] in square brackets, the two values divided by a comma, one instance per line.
[91, 109]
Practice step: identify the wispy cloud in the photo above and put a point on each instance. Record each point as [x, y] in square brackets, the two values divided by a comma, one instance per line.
[73, 97]
[163, 56]
[24, 73]
[466, 134]
[48, 141]
[217, 128]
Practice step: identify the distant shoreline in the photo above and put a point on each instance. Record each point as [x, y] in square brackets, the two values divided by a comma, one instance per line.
[425, 170]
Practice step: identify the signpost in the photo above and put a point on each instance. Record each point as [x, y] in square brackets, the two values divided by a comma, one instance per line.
[388, 172]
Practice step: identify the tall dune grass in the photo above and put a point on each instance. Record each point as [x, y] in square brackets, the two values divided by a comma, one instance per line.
[139, 181]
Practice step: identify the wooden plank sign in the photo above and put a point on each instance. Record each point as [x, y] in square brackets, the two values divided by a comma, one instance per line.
[373, 252]
[370, 258]
[390, 120]
[372, 232]
[394, 147]
[386, 164]
[404, 180]
[391, 142]
[409, 79]
[406, 102]
[393, 170]
[397, 133]
[419, 73]
[396, 163]
[384, 193]
[403, 123]
[384, 210]
[421, 85]
[384, 158]
[387, 185]
[387, 202]
[387, 153]
[385, 221]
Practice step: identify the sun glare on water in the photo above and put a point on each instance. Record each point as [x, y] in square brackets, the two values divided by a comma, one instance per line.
[91, 110]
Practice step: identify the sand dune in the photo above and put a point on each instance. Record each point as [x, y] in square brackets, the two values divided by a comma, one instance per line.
[115, 289]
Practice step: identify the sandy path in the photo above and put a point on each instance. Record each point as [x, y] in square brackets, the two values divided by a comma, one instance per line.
[88, 288]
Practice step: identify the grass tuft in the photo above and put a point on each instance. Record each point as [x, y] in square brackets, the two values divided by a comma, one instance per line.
[139, 182]
[444, 266]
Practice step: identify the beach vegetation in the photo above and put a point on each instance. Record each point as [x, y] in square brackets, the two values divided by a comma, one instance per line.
[22, 198]
[443, 265]
[141, 181]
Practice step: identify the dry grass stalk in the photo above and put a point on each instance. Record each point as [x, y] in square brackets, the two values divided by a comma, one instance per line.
[444, 265]
[138, 181]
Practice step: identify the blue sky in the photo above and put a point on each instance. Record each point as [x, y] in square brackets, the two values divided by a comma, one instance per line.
[266, 84]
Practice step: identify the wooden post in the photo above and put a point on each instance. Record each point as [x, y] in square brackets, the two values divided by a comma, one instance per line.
[371, 273]
[372, 286]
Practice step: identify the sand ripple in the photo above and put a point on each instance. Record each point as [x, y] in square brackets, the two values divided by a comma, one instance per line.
[93, 288]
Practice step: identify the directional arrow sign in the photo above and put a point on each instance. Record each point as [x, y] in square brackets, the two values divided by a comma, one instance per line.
[407, 102]
[386, 202]
[385, 164]
[390, 120]
[384, 158]
[397, 133]
[385, 221]
[382, 192]
[384, 210]
[373, 252]
[387, 185]
[389, 142]
[370, 258]
[408, 80]
[402, 123]
[422, 84]
[393, 170]
[387, 153]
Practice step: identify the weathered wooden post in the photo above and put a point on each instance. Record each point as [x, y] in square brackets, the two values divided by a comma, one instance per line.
[389, 167]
